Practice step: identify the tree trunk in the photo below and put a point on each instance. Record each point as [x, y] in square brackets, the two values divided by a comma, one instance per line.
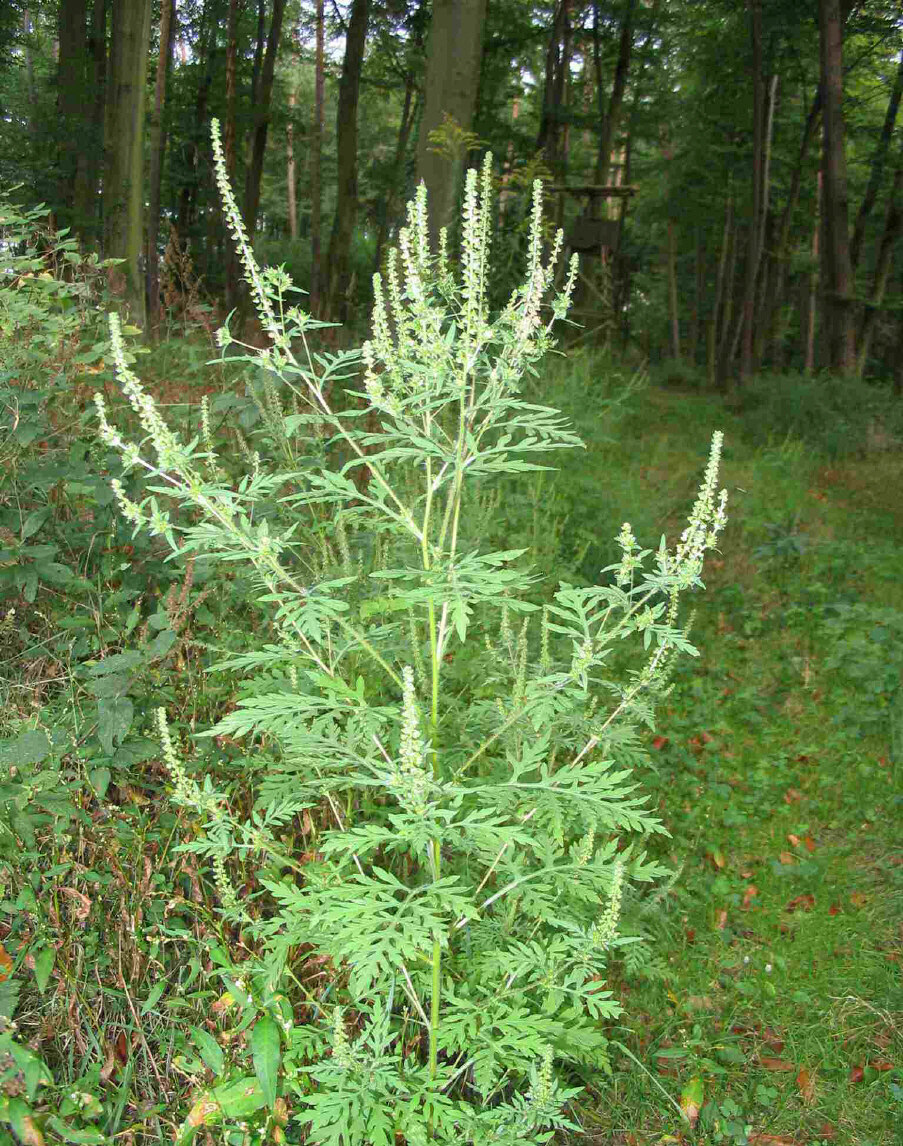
[157, 152]
[837, 270]
[812, 304]
[758, 170]
[877, 171]
[390, 205]
[262, 102]
[71, 100]
[672, 291]
[893, 226]
[85, 199]
[718, 318]
[338, 278]
[766, 233]
[777, 271]
[610, 117]
[450, 88]
[123, 183]
[291, 191]
[195, 144]
[549, 139]
[316, 165]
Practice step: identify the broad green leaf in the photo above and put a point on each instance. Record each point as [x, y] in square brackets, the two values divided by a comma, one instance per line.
[100, 780]
[43, 966]
[209, 1049]
[29, 748]
[114, 720]
[154, 997]
[70, 1134]
[266, 1050]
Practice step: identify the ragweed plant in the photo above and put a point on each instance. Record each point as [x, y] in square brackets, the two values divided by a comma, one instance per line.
[446, 938]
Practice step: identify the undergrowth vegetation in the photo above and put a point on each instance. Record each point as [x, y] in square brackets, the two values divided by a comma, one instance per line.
[332, 805]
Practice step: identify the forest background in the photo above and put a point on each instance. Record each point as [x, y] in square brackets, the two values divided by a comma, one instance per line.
[749, 154]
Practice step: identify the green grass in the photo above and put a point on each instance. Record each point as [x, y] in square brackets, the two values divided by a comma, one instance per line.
[778, 769]
[777, 977]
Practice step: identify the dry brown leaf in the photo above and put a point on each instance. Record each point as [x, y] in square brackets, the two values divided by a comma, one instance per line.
[749, 895]
[777, 1064]
[805, 1082]
[787, 858]
[793, 840]
[858, 899]
[857, 1074]
[793, 796]
[810, 843]
[801, 903]
[721, 919]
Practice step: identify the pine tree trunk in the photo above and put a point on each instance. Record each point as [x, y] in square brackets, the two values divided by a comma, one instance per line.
[610, 117]
[316, 165]
[338, 277]
[672, 291]
[124, 131]
[157, 152]
[877, 171]
[893, 227]
[450, 88]
[837, 276]
[758, 167]
[262, 101]
[71, 99]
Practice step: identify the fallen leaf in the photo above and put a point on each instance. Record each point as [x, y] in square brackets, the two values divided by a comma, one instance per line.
[773, 1040]
[83, 908]
[810, 843]
[805, 1082]
[793, 840]
[827, 1131]
[856, 1074]
[690, 936]
[717, 859]
[746, 875]
[691, 1099]
[793, 796]
[771, 1140]
[858, 899]
[720, 919]
[707, 737]
[787, 858]
[6, 964]
[779, 1064]
[660, 742]
[749, 895]
[835, 909]
[881, 1065]
[801, 903]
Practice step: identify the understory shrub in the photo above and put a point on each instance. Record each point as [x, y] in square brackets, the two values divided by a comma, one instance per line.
[842, 417]
[422, 898]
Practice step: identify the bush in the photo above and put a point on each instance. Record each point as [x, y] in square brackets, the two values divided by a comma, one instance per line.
[432, 867]
[839, 416]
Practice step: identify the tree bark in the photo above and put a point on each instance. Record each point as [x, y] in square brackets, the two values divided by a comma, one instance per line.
[450, 88]
[812, 302]
[262, 103]
[338, 271]
[758, 169]
[124, 132]
[878, 161]
[291, 190]
[672, 291]
[157, 152]
[390, 204]
[837, 276]
[86, 201]
[71, 99]
[893, 227]
[610, 116]
[316, 165]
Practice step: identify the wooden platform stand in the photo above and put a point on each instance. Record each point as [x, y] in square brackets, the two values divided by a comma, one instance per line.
[594, 239]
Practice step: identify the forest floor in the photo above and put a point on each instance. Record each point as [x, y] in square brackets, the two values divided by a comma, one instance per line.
[772, 1014]
[775, 1016]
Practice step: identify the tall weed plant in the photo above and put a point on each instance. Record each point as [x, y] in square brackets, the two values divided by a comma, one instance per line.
[435, 859]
